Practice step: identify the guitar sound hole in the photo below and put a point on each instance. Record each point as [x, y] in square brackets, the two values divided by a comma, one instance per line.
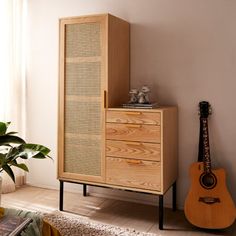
[208, 180]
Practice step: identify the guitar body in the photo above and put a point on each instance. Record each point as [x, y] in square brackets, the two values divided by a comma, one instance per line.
[210, 208]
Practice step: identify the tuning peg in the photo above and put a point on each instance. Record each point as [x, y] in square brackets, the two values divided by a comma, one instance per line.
[210, 110]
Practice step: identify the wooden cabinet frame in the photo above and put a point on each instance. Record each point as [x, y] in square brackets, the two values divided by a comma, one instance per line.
[157, 128]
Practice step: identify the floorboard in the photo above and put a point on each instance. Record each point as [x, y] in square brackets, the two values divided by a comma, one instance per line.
[119, 213]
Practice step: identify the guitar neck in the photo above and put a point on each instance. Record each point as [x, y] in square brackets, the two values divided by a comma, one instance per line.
[206, 146]
[200, 145]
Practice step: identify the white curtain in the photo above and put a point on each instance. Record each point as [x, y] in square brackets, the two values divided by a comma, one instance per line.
[13, 15]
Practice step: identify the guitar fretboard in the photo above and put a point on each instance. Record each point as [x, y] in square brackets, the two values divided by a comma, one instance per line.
[206, 146]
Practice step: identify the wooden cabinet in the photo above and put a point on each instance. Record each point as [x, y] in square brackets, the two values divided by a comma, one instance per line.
[141, 148]
[129, 149]
[94, 75]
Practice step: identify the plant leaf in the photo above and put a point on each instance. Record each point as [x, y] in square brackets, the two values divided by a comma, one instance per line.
[21, 166]
[6, 139]
[3, 128]
[27, 151]
[2, 156]
[9, 171]
[39, 156]
[11, 133]
[27, 154]
[37, 147]
[12, 153]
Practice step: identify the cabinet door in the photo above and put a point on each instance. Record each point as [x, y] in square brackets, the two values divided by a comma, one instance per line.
[82, 86]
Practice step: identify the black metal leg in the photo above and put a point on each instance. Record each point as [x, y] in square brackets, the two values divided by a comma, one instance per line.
[61, 195]
[161, 212]
[174, 196]
[84, 190]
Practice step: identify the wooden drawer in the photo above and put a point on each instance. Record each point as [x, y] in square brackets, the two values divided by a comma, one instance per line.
[133, 173]
[133, 132]
[134, 117]
[136, 150]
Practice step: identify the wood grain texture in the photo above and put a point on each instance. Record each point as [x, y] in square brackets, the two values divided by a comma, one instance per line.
[148, 127]
[134, 173]
[135, 150]
[134, 117]
[61, 103]
[118, 61]
[83, 19]
[141, 133]
[217, 215]
[169, 146]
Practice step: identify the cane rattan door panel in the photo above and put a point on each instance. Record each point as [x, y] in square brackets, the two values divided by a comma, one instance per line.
[83, 117]
[82, 154]
[83, 129]
[83, 105]
[83, 39]
[83, 79]
[94, 75]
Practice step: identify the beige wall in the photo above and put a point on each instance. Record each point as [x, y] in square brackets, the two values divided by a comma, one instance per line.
[185, 50]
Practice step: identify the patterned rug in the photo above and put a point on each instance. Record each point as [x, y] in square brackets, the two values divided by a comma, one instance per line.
[79, 226]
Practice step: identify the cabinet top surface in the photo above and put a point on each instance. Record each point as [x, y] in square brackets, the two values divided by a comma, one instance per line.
[91, 15]
[157, 109]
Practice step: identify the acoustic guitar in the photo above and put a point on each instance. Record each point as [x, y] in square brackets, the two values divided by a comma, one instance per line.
[208, 203]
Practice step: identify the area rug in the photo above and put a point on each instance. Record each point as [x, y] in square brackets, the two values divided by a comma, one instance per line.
[79, 226]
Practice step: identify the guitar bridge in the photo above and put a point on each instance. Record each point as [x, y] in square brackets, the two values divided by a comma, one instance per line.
[209, 200]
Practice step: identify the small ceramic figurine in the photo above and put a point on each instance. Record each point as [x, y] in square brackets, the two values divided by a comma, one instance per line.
[143, 95]
[145, 89]
[133, 96]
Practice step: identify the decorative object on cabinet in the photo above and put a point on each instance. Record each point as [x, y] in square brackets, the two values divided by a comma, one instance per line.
[99, 145]
[133, 96]
[139, 105]
[143, 95]
[140, 99]
[139, 96]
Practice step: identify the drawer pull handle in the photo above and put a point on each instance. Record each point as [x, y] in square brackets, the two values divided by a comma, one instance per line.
[105, 99]
[134, 162]
[134, 143]
[133, 113]
[134, 126]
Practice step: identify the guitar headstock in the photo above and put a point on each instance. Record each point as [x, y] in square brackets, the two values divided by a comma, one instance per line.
[204, 109]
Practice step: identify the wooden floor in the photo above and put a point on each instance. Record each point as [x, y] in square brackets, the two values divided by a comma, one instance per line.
[119, 213]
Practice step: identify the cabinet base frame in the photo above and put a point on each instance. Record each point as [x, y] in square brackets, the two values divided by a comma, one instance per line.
[161, 198]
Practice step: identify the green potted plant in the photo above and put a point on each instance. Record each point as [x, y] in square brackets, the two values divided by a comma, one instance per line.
[14, 148]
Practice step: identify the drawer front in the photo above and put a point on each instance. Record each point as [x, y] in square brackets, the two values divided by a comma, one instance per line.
[133, 173]
[134, 117]
[136, 150]
[133, 132]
